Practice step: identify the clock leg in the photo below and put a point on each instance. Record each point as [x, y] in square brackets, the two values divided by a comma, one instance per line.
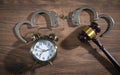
[33, 65]
[50, 62]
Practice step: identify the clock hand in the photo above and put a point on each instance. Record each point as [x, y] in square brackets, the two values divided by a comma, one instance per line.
[41, 53]
[40, 48]
[46, 50]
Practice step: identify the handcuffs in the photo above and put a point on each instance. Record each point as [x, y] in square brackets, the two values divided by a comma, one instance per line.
[76, 20]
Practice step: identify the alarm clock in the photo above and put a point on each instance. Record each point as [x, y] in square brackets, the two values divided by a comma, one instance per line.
[44, 48]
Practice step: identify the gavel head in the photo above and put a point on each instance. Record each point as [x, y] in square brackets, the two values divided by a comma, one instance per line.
[89, 32]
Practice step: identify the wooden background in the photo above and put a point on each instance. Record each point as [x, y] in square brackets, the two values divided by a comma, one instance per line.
[74, 58]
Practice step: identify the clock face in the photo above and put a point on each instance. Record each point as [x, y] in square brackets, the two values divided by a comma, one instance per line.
[44, 50]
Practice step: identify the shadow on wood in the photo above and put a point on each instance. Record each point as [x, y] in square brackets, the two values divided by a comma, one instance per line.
[17, 60]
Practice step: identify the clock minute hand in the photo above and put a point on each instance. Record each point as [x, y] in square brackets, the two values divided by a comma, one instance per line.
[46, 50]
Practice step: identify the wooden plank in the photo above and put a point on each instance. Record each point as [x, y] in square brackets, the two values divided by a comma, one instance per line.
[74, 58]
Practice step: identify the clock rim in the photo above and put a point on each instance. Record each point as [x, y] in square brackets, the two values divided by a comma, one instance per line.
[34, 57]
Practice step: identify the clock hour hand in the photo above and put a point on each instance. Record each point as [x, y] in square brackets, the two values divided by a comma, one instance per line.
[43, 51]
[40, 48]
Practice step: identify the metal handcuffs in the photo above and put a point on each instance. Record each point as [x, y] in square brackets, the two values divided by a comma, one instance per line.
[76, 20]
[53, 20]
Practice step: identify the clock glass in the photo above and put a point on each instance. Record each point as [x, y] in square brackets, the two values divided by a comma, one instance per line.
[44, 50]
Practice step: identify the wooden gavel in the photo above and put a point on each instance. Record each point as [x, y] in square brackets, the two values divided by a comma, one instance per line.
[90, 33]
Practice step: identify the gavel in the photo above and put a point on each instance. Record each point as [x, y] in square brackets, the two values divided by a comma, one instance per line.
[90, 33]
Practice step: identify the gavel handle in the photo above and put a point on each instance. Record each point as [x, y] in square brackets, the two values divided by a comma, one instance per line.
[109, 56]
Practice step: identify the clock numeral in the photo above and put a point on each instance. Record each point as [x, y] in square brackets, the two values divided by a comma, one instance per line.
[40, 43]
[48, 44]
[43, 58]
[48, 57]
[40, 54]
[37, 54]
[50, 47]
[50, 54]
[37, 46]
[51, 50]
[35, 49]
[44, 43]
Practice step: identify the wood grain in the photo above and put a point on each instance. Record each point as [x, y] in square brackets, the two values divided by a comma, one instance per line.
[74, 58]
